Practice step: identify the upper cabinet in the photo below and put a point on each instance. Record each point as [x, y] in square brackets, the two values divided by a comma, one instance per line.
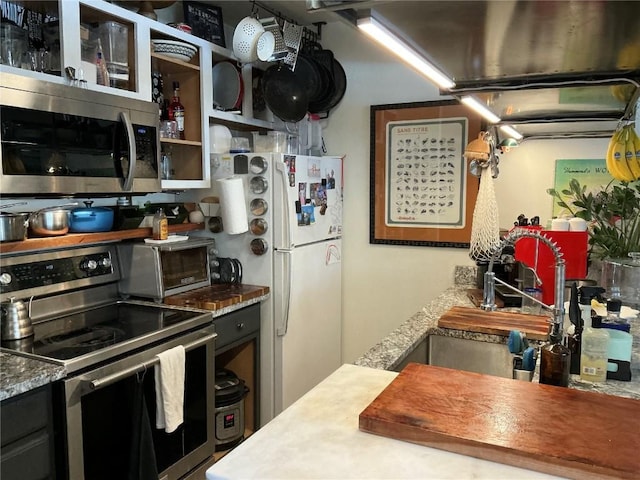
[112, 49]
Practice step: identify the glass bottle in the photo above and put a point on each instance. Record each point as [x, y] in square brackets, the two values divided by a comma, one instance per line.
[160, 225]
[555, 364]
[176, 110]
[165, 164]
[101, 69]
[555, 359]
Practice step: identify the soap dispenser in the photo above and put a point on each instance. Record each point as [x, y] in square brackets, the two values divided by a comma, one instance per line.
[595, 341]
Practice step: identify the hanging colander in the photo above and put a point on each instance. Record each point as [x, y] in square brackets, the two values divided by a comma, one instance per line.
[245, 39]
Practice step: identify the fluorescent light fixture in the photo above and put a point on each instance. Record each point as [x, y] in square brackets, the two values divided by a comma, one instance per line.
[512, 132]
[480, 108]
[389, 40]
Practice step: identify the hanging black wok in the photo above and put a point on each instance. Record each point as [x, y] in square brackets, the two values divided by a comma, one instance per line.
[284, 93]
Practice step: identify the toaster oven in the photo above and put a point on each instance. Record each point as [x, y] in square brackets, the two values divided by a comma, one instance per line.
[160, 269]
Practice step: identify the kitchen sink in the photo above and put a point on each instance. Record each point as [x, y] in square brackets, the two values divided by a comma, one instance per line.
[470, 355]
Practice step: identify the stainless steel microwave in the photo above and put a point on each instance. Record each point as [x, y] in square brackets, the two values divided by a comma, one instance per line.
[63, 140]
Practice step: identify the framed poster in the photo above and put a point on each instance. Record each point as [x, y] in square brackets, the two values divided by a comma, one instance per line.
[205, 21]
[421, 190]
[591, 173]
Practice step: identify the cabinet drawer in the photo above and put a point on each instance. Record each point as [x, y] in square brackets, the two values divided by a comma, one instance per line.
[234, 326]
[28, 458]
[24, 414]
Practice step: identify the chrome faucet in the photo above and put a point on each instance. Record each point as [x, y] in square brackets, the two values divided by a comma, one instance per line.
[489, 297]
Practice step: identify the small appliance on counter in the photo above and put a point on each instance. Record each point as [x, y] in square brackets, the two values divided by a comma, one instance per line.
[572, 245]
[230, 394]
[157, 271]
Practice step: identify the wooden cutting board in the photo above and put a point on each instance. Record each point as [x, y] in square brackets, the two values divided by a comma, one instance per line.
[555, 430]
[217, 296]
[498, 323]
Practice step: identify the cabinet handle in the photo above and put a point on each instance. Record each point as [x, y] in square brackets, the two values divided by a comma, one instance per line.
[240, 325]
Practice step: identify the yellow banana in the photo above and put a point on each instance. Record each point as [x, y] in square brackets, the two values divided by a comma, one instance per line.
[630, 153]
[612, 164]
[635, 147]
[620, 157]
[609, 155]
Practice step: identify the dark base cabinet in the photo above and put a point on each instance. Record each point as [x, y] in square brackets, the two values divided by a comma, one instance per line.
[27, 451]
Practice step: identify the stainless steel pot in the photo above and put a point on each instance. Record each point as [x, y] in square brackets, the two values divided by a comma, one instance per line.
[50, 221]
[13, 226]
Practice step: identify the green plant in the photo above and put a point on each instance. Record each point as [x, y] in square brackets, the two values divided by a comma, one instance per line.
[613, 215]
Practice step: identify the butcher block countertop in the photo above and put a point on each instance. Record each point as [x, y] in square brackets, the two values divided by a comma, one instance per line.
[554, 430]
[318, 437]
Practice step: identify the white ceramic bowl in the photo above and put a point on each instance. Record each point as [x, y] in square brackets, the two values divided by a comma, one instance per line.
[174, 49]
[219, 139]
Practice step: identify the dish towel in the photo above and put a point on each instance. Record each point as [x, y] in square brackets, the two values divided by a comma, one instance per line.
[142, 465]
[169, 377]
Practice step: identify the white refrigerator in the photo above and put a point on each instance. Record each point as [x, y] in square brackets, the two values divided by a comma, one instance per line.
[294, 212]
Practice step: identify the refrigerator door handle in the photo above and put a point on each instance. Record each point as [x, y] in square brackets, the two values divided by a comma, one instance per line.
[281, 329]
[284, 178]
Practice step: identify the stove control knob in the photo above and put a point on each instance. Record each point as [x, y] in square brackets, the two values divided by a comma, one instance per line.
[105, 262]
[89, 265]
[5, 279]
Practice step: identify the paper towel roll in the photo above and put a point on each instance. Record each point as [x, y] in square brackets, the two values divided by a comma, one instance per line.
[233, 207]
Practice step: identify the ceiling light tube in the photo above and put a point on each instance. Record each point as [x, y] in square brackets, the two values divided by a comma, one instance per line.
[389, 40]
[481, 109]
[512, 132]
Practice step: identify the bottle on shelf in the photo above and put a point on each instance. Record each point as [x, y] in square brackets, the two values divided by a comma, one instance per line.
[102, 74]
[165, 163]
[176, 110]
[160, 225]
[595, 341]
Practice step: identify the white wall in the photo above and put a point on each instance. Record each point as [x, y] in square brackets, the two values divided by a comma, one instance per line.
[527, 171]
[384, 285]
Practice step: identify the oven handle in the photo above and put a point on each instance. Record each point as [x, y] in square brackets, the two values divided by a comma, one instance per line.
[114, 377]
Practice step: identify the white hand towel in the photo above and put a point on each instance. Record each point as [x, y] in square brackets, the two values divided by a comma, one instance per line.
[169, 375]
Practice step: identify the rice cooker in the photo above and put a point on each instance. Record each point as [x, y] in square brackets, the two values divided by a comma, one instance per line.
[230, 394]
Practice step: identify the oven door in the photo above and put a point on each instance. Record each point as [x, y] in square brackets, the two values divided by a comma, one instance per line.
[100, 413]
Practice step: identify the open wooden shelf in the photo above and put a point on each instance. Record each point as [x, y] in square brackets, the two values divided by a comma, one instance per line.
[71, 239]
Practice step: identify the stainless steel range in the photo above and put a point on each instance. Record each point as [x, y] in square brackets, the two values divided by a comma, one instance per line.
[109, 347]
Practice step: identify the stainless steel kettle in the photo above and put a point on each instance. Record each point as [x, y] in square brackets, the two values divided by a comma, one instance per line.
[15, 321]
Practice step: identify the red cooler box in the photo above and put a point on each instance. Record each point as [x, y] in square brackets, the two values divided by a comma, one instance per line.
[535, 254]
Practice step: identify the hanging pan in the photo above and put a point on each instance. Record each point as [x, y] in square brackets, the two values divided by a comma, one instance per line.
[336, 84]
[284, 93]
[227, 86]
[311, 76]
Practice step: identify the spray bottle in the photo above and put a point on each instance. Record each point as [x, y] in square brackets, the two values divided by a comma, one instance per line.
[595, 341]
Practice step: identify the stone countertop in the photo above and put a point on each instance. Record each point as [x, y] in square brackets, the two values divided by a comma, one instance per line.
[19, 374]
[318, 437]
[392, 350]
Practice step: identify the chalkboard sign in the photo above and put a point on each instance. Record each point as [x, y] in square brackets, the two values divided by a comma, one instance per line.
[205, 21]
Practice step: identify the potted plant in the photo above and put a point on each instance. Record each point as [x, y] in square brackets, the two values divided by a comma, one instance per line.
[613, 216]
